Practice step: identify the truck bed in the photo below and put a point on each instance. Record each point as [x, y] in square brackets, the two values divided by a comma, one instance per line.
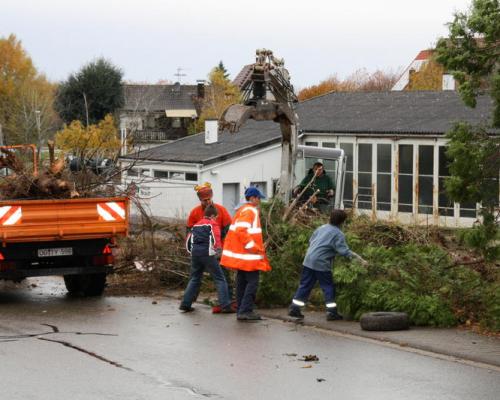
[66, 219]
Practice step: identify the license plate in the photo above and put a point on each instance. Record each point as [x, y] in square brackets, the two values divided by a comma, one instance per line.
[55, 252]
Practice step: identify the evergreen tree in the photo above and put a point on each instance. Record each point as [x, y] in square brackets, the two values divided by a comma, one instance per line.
[90, 94]
[221, 68]
[471, 52]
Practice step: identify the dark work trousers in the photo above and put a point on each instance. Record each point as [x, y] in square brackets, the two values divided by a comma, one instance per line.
[308, 280]
[229, 281]
[246, 290]
[198, 266]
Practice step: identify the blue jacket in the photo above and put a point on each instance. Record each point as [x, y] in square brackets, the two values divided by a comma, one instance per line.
[204, 238]
[325, 243]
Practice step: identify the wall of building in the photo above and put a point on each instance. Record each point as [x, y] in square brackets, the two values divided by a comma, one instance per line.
[399, 179]
[260, 168]
[167, 189]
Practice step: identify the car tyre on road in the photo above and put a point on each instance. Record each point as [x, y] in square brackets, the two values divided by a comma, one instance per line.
[384, 321]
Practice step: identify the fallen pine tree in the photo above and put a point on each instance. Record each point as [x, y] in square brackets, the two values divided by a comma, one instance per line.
[424, 271]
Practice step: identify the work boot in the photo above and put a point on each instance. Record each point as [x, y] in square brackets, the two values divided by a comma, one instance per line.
[294, 312]
[216, 309]
[227, 310]
[185, 308]
[333, 315]
[251, 316]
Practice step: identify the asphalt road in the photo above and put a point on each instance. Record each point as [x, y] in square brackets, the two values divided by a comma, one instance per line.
[56, 347]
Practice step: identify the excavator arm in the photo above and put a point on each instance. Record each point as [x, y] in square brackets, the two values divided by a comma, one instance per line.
[268, 95]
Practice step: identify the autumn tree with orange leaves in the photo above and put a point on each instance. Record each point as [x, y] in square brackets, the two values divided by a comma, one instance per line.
[429, 77]
[26, 96]
[360, 81]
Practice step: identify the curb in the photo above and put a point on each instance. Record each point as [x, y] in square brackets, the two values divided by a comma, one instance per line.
[400, 344]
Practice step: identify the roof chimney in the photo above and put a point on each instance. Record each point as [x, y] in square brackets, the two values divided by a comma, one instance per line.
[200, 89]
[448, 82]
[211, 131]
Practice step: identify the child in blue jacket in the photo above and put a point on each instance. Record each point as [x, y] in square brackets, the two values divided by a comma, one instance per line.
[325, 243]
[204, 244]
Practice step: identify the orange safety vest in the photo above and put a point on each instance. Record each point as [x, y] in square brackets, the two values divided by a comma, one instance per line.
[243, 246]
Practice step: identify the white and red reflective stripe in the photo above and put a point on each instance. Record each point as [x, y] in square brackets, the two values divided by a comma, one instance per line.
[10, 215]
[239, 256]
[250, 244]
[240, 225]
[111, 211]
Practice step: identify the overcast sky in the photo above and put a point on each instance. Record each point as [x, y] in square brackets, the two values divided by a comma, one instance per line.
[150, 39]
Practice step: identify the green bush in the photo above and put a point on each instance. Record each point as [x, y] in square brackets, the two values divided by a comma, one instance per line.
[407, 272]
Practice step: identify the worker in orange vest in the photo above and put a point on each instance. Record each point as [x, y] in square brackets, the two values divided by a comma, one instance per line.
[244, 251]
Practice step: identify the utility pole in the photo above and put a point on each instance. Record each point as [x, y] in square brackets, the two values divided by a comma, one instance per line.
[1, 135]
[38, 128]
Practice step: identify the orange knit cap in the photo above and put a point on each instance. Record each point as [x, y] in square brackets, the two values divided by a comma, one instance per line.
[204, 191]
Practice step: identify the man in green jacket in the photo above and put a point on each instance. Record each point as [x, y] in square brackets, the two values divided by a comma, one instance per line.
[322, 183]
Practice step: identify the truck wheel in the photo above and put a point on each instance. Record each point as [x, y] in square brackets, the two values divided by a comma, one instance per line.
[72, 283]
[384, 321]
[87, 285]
[95, 285]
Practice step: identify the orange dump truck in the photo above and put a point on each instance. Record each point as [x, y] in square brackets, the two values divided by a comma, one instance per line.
[72, 238]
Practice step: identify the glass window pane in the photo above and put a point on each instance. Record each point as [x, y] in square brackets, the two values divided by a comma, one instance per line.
[160, 174]
[348, 151]
[191, 176]
[467, 213]
[468, 210]
[329, 165]
[315, 144]
[492, 193]
[365, 157]
[310, 162]
[384, 192]
[177, 176]
[365, 191]
[443, 162]
[405, 193]
[425, 194]
[348, 189]
[406, 158]
[445, 205]
[426, 160]
[330, 145]
[384, 157]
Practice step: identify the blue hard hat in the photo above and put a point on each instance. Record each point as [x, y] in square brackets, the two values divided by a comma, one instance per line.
[252, 191]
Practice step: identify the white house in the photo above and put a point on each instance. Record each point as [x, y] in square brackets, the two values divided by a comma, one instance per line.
[420, 61]
[166, 175]
[394, 141]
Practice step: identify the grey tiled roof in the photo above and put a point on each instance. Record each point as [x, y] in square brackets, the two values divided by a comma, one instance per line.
[159, 97]
[192, 149]
[382, 113]
[397, 112]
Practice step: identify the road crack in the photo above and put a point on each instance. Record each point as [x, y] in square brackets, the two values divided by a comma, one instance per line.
[55, 330]
[90, 353]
